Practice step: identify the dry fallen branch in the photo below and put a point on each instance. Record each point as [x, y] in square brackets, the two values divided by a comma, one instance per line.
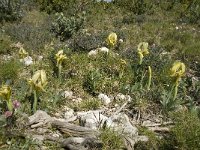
[74, 130]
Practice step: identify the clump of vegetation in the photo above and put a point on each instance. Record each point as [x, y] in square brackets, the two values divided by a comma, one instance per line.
[9, 70]
[186, 132]
[90, 104]
[10, 10]
[5, 43]
[111, 139]
[64, 27]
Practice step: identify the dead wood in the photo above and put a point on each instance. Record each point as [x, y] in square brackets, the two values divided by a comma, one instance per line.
[74, 130]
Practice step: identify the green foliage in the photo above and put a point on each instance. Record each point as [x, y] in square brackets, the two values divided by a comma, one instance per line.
[70, 6]
[10, 10]
[5, 43]
[111, 139]
[167, 102]
[153, 142]
[186, 132]
[93, 81]
[33, 37]
[9, 70]
[138, 7]
[90, 104]
[64, 27]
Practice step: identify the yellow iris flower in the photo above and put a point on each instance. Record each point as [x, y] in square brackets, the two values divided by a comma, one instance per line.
[177, 70]
[5, 92]
[39, 80]
[22, 53]
[112, 39]
[60, 57]
[142, 50]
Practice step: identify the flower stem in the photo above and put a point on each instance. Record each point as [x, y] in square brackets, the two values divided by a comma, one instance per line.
[59, 70]
[10, 105]
[149, 79]
[35, 101]
[175, 91]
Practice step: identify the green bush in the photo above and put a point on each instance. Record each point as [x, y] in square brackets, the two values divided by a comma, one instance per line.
[9, 70]
[65, 27]
[10, 10]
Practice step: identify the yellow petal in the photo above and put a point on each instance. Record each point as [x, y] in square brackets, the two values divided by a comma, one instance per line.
[5, 92]
[178, 69]
[112, 39]
[141, 57]
[43, 77]
[143, 48]
[36, 76]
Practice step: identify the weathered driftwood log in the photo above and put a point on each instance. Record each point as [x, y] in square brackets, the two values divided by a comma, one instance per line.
[74, 130]
[77, 143]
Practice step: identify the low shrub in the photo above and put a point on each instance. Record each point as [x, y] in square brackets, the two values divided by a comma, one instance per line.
[64, 27]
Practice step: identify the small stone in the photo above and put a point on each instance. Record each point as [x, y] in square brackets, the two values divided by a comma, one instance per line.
[40, 58]
[77, 100]
[120, 97]
[41, 130]
[56, 135]
[69, 113]
[28, 61]
[142, 138]
[57, 114]
[121, 40]
[104, 49]
[38, 139]
[93, 53]
[67, 94]
[94, 119]
[104, 98]
[128, 97]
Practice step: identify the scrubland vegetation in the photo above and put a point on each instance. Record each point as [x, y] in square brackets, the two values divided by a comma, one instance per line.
[146, 49]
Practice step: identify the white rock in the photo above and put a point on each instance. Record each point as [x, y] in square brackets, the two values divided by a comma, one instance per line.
[121, 40]
[124, 125]
[128, 97]
[120, 97]
[28, 61]
[130, 130]
[69, 113]
[93, 53]
[40, 58]
[67, 94]
[104, 98]
[94, 120]
[77, 100]
[7, 57]
[104, 49]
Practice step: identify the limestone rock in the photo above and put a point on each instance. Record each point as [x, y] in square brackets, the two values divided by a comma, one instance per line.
[104, 98]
